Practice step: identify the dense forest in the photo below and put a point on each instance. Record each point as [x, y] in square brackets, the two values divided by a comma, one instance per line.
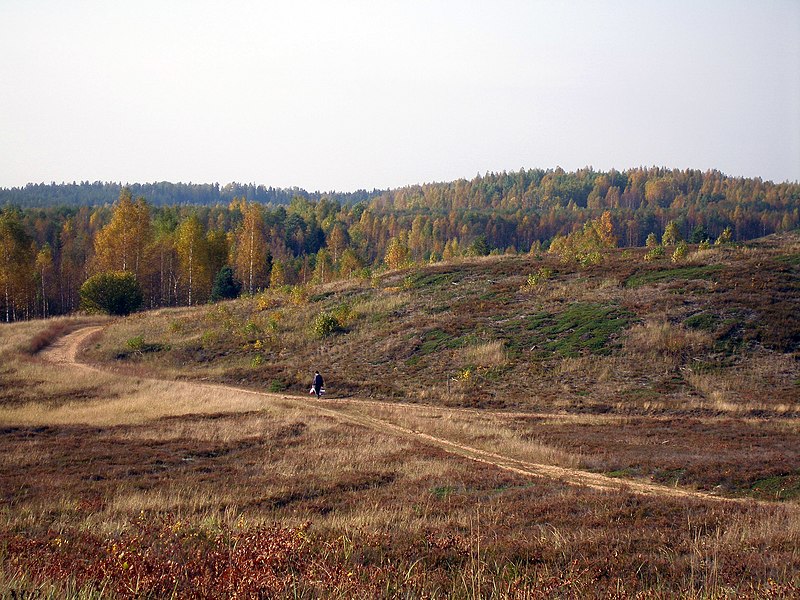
[177, 239]
[164, 193]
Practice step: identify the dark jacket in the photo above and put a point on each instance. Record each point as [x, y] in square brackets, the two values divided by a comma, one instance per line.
[318, 383]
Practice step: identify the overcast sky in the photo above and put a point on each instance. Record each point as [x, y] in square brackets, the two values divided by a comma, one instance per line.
[340, 95]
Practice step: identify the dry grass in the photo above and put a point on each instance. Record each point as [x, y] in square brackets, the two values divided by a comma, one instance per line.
[94, 453]
[489, 432]
[487, 354]
[383, 303]
[662, 338]
[739, 390]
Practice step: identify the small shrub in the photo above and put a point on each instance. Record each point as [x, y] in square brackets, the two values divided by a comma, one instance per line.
[136, 343]
[325, 325]
[654, 253]
[257, 361]
[299, 295]
[276, 385]
[726, 237]
[681, 250]
[251, 329]
[543, 274]
[704, 245]
[343, 314]
[265, 301]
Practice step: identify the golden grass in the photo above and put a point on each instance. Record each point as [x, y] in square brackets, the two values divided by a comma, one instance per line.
[660, 337]
[129, 400]
[487, 354]
[491, 432]
[381, 304]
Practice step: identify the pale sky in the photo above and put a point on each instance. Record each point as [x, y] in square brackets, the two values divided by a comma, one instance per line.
[341, 95]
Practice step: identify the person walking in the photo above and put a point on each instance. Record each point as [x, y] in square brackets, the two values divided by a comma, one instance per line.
[316, 387]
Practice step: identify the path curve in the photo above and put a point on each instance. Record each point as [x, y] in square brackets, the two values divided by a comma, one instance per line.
[66, 350]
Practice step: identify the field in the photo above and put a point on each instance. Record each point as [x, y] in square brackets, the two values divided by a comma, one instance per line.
[504, 427]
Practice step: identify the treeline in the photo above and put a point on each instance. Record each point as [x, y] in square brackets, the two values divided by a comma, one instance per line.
[177, 251]
[43, 195]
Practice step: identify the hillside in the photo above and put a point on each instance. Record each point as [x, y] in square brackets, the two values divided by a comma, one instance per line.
[498, 427]
[715, 336]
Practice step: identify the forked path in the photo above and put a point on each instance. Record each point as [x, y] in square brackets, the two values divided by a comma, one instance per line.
[66, 349]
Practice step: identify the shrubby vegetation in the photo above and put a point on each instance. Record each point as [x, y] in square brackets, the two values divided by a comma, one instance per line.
[113, 293]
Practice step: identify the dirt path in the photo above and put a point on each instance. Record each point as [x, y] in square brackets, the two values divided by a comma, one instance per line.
[66, 350]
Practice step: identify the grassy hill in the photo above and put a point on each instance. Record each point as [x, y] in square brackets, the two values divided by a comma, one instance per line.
[714, 334]
[116, 484]
[701, 353]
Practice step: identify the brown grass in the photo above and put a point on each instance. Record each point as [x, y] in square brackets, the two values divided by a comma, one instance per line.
[90, 458]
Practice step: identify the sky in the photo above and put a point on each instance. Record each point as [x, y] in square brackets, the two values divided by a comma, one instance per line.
[344, 95]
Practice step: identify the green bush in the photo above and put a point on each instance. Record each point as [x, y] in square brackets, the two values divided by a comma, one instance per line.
[325, 325]
[681, 250]
[136, 343]
[655, 253]
[225, 286]
[543, 274]
[113, 292]
[276, 385]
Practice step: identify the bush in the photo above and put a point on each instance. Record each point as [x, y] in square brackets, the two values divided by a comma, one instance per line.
[681, 250]
[225, 286]
[113, 293]
[654, 253]
[534, 279]
[136, 343]
[726, 237]
[325, 325]
[276, 385]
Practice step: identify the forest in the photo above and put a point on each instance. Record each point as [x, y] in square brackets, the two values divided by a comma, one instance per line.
[179, 239]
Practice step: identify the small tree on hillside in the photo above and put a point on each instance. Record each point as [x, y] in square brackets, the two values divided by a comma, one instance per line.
[725, 237]
[672, 235]
[225, 286]
[112, 292]
[397, 255]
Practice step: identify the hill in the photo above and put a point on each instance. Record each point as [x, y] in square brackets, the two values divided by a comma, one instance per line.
[714, 336]
[496, 427]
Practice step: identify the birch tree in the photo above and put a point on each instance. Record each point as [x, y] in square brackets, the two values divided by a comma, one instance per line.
[252, 258]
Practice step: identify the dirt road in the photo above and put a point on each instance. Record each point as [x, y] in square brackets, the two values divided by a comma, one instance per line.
[66, 350]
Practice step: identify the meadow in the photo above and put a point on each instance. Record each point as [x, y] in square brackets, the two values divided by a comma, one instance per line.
[499, 427]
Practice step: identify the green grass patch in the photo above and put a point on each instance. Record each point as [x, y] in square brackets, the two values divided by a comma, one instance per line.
[793, 260]
[657, 276]
[702, 321]
[422, 280]
[443, 491]
[434, 340]
[582, 328]
[780, 487]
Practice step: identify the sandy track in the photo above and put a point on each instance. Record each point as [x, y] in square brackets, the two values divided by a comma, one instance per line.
[66, 351]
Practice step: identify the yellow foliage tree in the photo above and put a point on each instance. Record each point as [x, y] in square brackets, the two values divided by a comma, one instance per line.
[122, 245]
[251, 257]
[397, 254]
[192, 248]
